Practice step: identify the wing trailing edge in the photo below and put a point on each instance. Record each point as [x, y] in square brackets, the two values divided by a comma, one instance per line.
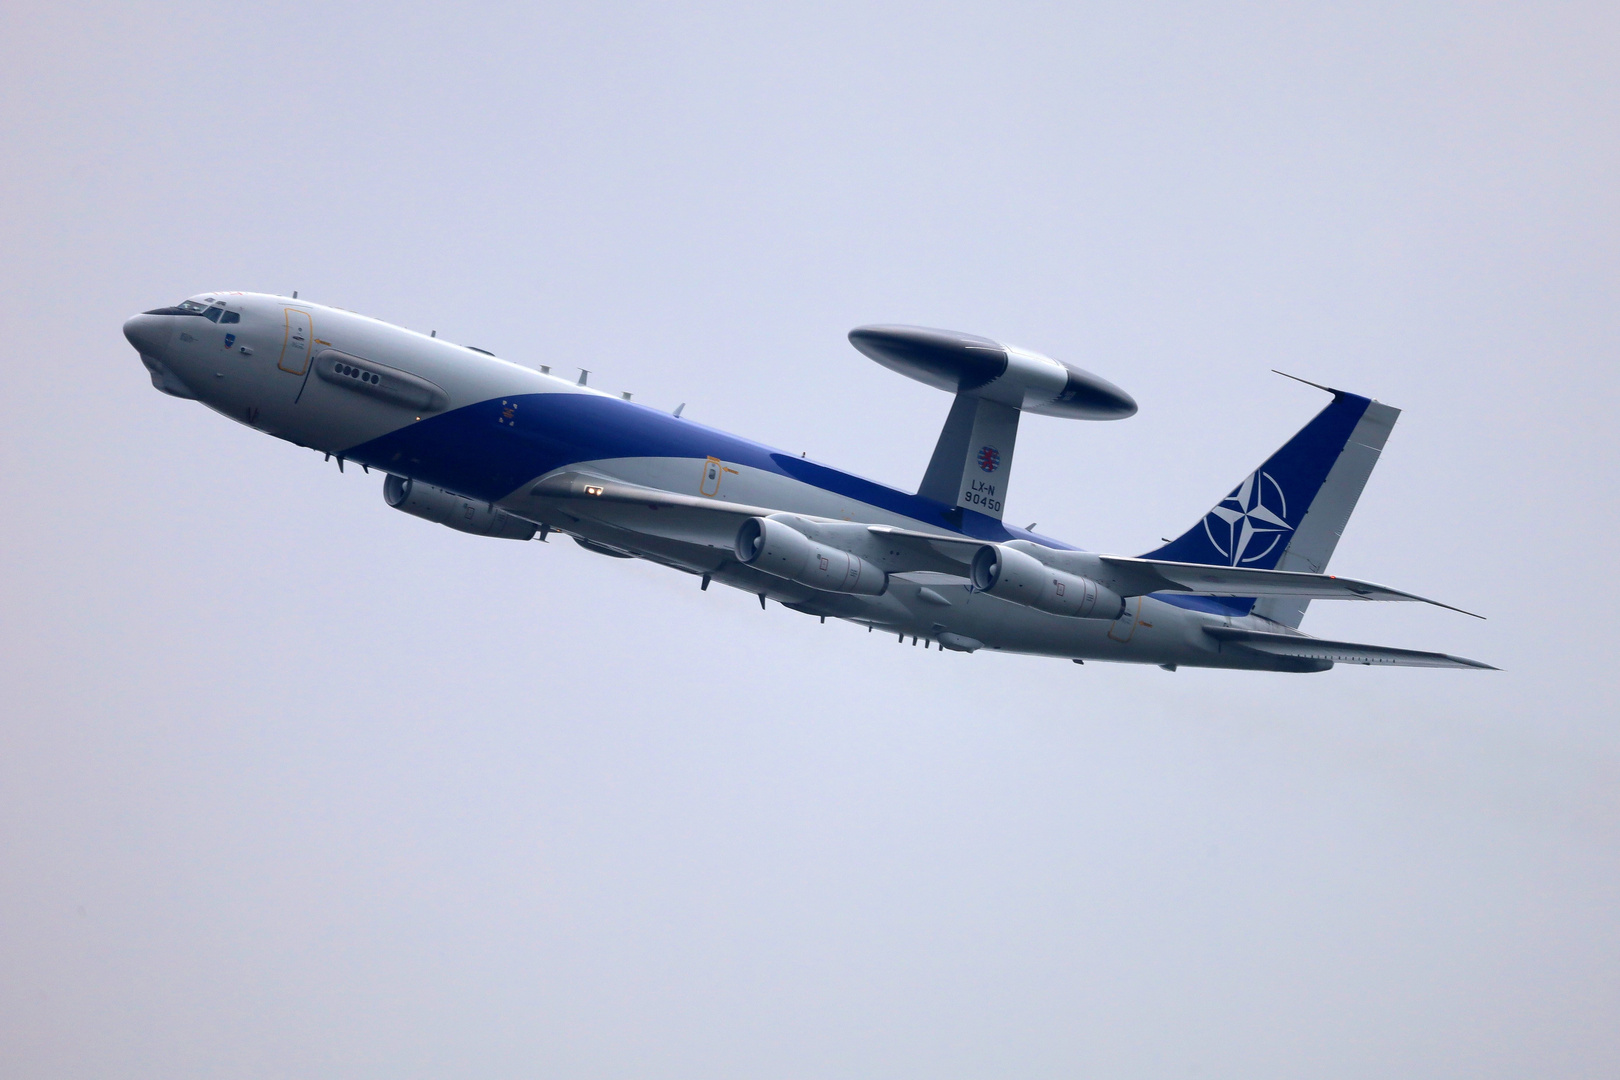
[1338, 652]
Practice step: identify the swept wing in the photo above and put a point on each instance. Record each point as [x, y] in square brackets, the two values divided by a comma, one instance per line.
[1159, 575]
[1340, 652]
[714, 522]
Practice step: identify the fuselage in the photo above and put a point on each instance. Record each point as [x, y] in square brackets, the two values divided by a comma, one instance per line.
[447, 415]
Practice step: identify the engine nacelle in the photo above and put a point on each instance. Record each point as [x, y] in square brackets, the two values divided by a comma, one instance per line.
[1023, 579]
[452, 511]
[783, 551]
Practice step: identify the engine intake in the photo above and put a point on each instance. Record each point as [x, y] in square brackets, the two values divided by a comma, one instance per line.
[1021, 578]
[452, 511]
[783, 551]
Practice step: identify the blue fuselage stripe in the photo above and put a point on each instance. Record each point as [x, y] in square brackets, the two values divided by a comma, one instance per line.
[490, 449]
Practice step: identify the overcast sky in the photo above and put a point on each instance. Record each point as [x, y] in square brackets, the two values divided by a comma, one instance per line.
[293, 785]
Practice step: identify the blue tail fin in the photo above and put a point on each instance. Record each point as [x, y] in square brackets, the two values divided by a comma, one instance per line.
[1289, 512]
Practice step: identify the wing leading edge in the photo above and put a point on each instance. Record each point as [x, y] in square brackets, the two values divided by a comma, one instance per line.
[1139, 577]
[1156, 575]
[714, 522]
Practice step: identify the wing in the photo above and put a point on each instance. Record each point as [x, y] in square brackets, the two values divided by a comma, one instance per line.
[600, 489]
[914, 553]
[691, 519]
[713, 522]
[1159, 575]
[1340, 652]
[1138, 577]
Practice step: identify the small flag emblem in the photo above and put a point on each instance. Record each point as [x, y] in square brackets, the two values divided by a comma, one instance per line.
[989, 459]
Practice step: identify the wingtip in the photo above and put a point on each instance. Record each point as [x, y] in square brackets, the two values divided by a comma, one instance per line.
[1448, 607]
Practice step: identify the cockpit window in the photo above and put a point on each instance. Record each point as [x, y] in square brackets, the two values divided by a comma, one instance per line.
[186, 307]
[231, 316]
[213, 314]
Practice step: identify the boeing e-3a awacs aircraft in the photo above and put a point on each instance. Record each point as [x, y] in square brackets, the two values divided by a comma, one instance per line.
[491, 448]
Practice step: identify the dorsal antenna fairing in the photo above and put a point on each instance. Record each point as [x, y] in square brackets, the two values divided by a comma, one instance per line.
[993, 383]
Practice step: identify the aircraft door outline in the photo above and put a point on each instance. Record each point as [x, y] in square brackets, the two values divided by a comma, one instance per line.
[295, 342]
[712, 473]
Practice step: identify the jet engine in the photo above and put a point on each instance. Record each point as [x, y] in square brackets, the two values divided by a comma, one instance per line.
[452, 511]
[783, 551]
[1023, 579]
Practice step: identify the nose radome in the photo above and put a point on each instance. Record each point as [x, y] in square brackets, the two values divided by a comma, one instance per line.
[149, 333]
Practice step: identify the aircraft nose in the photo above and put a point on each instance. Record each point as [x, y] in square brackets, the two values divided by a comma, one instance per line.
[149, 333]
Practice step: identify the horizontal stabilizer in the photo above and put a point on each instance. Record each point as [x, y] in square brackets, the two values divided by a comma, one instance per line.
[1159, 575]
[1338, 652]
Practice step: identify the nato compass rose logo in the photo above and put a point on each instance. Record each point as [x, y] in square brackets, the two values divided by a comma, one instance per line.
[1247, 524]
[989, 459]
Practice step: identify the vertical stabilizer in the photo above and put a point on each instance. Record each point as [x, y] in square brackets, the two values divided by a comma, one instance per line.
[1289, 513]
[972, 461]
[1318, 533]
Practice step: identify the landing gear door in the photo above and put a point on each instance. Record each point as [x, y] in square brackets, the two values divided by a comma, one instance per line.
[295, 343]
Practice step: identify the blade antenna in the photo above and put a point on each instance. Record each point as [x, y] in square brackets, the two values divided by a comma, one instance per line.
[1307, 382]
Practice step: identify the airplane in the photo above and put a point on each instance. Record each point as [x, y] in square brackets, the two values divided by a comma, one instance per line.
[488, 447]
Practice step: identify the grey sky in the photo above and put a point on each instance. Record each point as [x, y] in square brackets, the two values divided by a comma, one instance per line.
[292, 785]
